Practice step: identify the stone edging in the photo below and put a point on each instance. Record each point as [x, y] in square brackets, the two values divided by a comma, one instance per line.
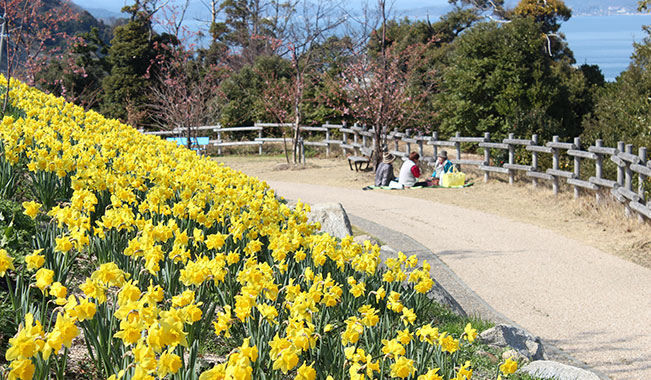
[469, 301]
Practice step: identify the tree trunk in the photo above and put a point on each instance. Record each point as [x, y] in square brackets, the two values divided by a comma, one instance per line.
[378, 146]
[297, 113]
[297, 123]
[189, 138]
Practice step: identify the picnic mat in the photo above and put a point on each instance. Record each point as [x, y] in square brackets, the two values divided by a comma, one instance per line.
[373, 187]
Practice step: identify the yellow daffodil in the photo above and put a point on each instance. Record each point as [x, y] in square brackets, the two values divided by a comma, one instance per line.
[509, 366]
[402, 368]
[31, 209]
[6, 262]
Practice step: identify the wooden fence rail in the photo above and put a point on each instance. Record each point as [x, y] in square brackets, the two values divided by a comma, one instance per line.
[351, 139]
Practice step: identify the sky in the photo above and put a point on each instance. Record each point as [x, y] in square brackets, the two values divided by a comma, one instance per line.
[115, 5]
[199, 10]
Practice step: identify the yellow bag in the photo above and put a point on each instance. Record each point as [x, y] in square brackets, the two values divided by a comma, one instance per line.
[454, 179]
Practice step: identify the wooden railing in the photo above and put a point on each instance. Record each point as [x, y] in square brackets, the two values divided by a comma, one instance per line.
[352, 139]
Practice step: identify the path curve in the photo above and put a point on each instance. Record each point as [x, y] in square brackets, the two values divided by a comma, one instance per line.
[594, 306]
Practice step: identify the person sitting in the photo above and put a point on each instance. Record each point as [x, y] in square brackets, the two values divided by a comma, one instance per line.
[442, 166]
[409, 172]
[384, 173]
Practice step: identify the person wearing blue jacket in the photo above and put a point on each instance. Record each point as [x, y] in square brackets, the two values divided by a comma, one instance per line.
[442, 166]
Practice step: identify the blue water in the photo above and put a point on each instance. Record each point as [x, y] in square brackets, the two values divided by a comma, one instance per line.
[606, 41]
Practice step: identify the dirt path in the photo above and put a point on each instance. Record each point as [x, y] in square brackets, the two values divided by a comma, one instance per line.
[592, 305]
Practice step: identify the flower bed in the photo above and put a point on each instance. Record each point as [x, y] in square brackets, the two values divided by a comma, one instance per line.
[181, 248]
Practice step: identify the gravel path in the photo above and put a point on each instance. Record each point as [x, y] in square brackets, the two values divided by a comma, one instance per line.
[593, 306]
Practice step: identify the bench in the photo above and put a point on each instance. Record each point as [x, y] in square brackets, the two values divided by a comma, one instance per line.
[198, 143]
[359, 161]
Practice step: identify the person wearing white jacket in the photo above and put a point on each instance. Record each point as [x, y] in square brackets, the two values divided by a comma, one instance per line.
[409, 172]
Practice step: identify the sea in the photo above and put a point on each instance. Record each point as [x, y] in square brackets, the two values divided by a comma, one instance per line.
[606, 41]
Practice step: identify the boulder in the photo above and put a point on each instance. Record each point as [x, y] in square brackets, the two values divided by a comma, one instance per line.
[362, 238]
[440, 295]
[508, 336]
[547, 369]
[386, 252]
[333, 218]
[515, 355]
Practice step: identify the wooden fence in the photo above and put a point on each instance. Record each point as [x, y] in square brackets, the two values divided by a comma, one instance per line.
[351, 139]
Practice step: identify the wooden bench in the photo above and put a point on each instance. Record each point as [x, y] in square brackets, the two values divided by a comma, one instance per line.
[359, 161]
[198, 143]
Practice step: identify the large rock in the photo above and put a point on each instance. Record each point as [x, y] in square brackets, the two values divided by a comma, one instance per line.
[547, 369]
[440, 295]
[504, 335]
[333, 218]
[360, 239]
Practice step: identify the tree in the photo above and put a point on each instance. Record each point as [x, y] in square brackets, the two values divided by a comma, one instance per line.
[623, 108]
[78, 75]
[547, 13]
[247, 31]
[31, 33]
[500, 80]
[311, 22]
[244, 91]
[132, 55]
[183, 95]
[387, 91]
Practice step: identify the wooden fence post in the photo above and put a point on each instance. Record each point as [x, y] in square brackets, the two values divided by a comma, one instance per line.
[620, 170]
[487, 155]
[458, 146]
[598, 169]
[421, 152]
[577, 166]
[302, 150]
[396, 142]
[260, 146]
[511, 158]
[555, 165]
[628, 179]
[344, 139]
[435, 137]
[355, 135]
[219, 138]
[408, 135]
[640, 180]
[628, 173]
[534, 161]
[327, 142]
[364, 129]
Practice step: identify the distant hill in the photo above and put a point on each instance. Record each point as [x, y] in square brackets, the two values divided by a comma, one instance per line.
[83, 22]
[104, 14]
[602, 7]
[579, 8]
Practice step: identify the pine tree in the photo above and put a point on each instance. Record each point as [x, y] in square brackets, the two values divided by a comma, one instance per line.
[130, 55]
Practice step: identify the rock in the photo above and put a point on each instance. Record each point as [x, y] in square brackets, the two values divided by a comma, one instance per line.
[280, 167]
[440, 295]
[333, 218]
[504, 335]
[547, 369]
[515, 354]
[362, 238]
[386, 252]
